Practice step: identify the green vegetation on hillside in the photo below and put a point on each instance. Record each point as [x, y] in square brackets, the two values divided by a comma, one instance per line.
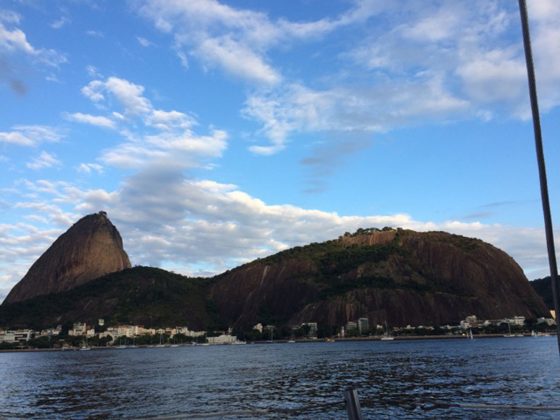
[140, 295]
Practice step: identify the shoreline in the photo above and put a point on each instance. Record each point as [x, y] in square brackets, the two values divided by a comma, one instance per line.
[307, 340]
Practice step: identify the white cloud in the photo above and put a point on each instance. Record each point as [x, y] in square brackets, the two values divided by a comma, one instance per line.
[60, 22]
[237, 40]
[144, 42]
[476, 49]
[150, 134]
[203, 223]
[437, 62]
[44, 160]
[9, 16]
[97, 120]
[365, 109]
[168, 120]
[93, 72]
[30, 135]
[14, 40]
[88, 168]
[129, 95]
[95, 34]
[237, 59]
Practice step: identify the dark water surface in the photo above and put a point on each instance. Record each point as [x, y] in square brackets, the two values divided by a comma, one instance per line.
[398, 379]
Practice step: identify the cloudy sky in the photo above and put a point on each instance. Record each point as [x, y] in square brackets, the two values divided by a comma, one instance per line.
[216, 132]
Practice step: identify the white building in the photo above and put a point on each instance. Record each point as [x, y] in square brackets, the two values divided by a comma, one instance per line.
[51, 331]
[185, 331]
[351, 326]
[363, 325]
[16, 336]
[223, 339]
[78, 329]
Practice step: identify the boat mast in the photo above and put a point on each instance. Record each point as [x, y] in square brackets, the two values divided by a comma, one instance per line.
[541, 163]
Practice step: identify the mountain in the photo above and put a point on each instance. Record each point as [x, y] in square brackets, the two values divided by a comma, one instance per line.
[91, 248]
[141, 295]
[396, 276]
[544, 289]
[392, 275]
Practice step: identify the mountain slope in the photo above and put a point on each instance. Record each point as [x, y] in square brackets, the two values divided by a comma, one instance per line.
[396, 276]
[544, 289]
[91, 248]
[141, 295]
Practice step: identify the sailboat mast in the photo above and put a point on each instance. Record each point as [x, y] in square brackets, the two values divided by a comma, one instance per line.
[541, 163]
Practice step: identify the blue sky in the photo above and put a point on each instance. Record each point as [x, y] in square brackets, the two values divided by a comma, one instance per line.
[214, 133]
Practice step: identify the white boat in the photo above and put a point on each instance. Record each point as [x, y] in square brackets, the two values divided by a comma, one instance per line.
[387, 336]
[509, 334]
[470, 335]
[85, 346]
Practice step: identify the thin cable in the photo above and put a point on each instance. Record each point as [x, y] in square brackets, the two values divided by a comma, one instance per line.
[540, 159]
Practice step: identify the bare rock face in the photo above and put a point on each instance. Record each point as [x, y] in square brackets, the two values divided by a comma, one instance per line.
[396, 276]
[91, 248]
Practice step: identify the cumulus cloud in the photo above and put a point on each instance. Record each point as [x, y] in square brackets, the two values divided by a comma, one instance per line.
[129, 95]
[441, 62]
[97, 120]
[474, 46]
[191, 224]
[365, 109]
[88, 168]
[44, 160]
[150, 134]
[13, 40]
[30, 135]
[238, 40]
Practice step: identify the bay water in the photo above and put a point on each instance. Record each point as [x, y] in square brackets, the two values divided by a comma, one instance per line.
[451, 378]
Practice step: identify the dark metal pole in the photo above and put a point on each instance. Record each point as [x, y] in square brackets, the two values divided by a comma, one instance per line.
[540, 159]
[353, 408]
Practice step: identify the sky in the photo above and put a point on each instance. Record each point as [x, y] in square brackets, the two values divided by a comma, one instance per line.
[217, 132]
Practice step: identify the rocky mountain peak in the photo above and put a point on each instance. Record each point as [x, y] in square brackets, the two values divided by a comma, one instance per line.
[92, 247]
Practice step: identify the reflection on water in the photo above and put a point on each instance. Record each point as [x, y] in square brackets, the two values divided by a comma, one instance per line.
[412, 379]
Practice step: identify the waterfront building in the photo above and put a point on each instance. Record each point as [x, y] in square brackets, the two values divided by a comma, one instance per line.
[363, 325]
[51, 331]
[78, 329]
[16, 336]
[311, 327]
[516, 320]
[470, 321]
[548, 321]
[223, 339]
[351, 326]
[189, 333]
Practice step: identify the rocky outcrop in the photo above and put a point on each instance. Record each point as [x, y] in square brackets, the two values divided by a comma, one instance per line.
[395, 276]
[91, 248]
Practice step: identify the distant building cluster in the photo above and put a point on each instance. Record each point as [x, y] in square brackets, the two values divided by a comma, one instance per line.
[24, 335]
[114, 335]
[81, 330]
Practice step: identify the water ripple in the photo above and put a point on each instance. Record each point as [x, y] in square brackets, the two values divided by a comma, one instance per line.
[409, 380]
